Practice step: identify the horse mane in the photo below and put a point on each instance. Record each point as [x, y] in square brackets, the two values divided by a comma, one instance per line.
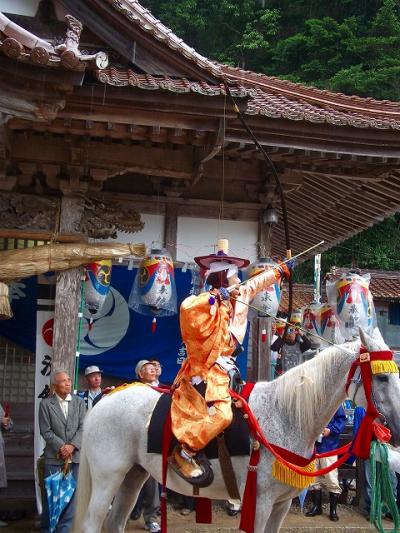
[302, 390]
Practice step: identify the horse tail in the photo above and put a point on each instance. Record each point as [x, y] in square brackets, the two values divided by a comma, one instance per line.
[84, 491]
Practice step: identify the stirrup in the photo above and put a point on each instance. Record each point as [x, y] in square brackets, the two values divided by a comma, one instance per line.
[176, 462]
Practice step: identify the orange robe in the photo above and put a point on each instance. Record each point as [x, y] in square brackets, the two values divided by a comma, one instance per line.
[207, 336]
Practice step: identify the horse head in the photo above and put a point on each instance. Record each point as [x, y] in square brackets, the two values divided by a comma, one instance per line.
[385, 388]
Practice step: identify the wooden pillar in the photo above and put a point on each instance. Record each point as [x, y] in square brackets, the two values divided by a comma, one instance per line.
[264, 350]
[171, 229]
[261, 355]
[67, 295]
[264, 237]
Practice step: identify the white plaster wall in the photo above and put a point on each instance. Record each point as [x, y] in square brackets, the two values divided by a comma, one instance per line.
[390, 333]
[29, 8]
[198, 236]
[19, 7]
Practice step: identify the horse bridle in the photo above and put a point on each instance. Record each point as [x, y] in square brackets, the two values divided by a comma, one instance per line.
[364, 363]
[357, 381]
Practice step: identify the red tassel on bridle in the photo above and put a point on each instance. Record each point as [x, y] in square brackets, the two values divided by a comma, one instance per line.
[248, 513]
[154, 325]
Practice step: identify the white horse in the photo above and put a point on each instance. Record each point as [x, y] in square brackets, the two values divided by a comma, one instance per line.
[292, 411]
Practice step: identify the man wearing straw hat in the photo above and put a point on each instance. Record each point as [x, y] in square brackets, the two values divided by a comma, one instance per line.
[213, 326]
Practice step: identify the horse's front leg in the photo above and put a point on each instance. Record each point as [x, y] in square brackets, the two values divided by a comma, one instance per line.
[125, 499]
[277, 516]
[263, 511]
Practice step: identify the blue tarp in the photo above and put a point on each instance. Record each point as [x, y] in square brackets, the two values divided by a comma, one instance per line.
[119, 337]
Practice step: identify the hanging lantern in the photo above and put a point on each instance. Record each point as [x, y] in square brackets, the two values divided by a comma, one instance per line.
[296, 317]
[280, 325]
[351, 299]
[154, 291]
[312, 323]
[330, 329]
[97, 285]
[268, 300]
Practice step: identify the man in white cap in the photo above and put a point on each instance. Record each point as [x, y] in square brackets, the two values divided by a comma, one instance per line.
[146, 372]
[93, 379]
[148, 500]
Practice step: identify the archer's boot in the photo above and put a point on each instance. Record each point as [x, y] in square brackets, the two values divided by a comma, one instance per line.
[333, 501]
[316, 498]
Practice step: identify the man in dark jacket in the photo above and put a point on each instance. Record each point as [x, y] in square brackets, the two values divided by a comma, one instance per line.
[93, 393]
[328, 441]
[291, 350]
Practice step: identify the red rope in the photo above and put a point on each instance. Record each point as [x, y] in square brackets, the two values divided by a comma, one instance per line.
[291, 459]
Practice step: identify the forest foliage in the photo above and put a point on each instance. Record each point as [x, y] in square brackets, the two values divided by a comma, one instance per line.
[348, 46]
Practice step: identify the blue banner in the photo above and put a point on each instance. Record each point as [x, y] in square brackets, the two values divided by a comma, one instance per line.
[119, 337]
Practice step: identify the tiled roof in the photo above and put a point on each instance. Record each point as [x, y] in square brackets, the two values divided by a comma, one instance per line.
[136, 13]
[310, 94]
[272, 102]
[384, 285]
[303, 294]
[125, 77]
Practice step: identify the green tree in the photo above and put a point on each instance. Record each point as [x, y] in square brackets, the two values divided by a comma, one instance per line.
[375, 248]
[235, 32]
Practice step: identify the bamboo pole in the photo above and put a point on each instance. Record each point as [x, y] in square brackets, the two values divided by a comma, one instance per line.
[41, 236]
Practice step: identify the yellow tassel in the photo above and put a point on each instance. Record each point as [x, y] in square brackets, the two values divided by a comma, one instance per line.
[283, 474]
[384, 367]
[126, 386]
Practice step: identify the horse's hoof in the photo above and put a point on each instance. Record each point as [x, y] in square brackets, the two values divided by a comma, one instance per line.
[233, 512]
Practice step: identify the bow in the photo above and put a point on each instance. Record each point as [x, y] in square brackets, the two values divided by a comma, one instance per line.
[281, 194]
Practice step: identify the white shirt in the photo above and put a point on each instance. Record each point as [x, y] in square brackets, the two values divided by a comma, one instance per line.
[92, 394]
[64, 404]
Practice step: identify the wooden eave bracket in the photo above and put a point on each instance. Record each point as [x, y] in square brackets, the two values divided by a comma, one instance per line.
[22, 45]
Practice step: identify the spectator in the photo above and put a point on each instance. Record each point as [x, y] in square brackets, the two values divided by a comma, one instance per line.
[157, 365]
[328, 441]
[6, 424]
[146, 373]
[188, 505]
[149, 497]
[291, 349]
[93, 379]
[61, 423]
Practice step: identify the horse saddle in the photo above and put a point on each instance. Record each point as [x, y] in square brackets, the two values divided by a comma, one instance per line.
[236, 436]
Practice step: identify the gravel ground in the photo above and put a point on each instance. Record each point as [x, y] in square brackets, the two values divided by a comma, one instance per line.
[351, 521]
